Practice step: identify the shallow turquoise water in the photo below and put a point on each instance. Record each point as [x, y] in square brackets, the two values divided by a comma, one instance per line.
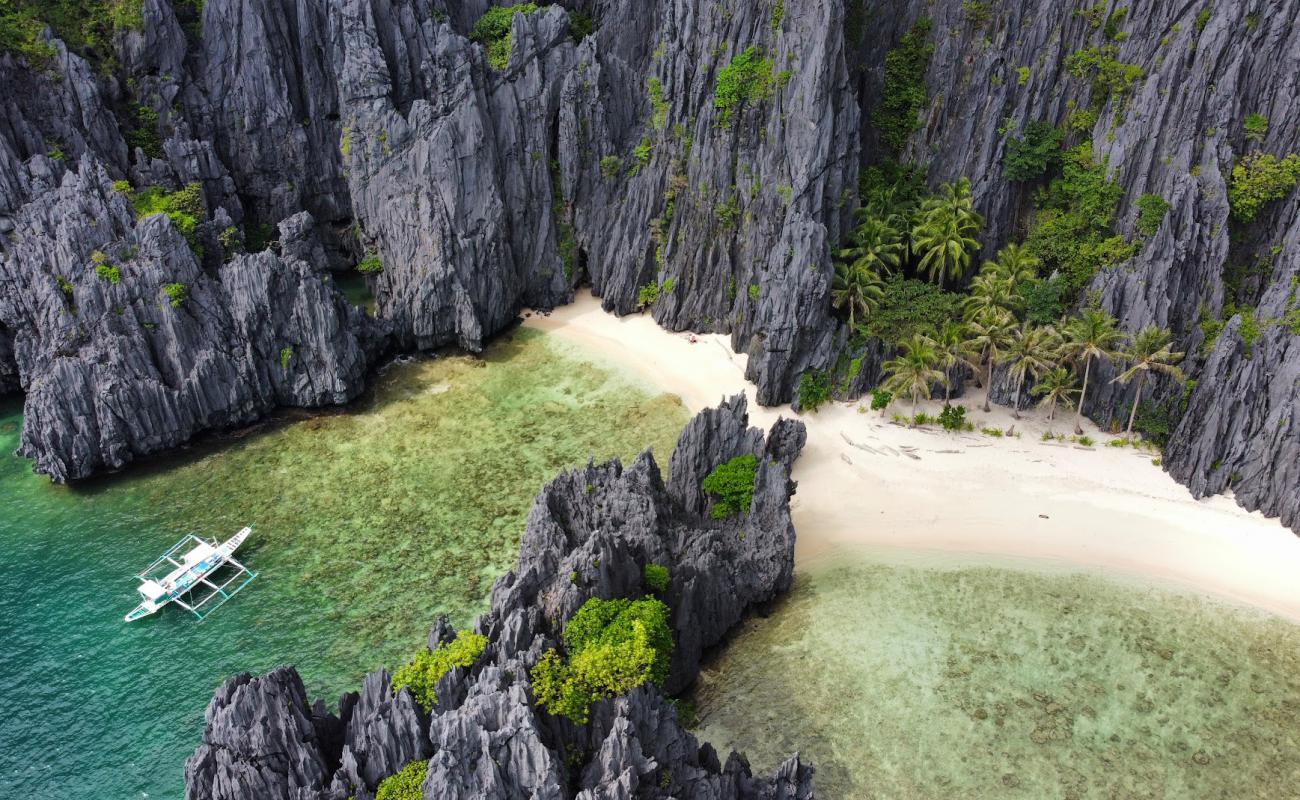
[931, 681]
[368, 524]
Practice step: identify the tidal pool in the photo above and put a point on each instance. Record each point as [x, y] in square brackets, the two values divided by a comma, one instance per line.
[367, 524]
[929, 683]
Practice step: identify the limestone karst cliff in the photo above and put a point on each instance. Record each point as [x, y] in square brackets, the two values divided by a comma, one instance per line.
[590, 534]
[612, 154]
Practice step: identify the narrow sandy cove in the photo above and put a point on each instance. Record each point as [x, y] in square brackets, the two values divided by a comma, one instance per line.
[865, 481]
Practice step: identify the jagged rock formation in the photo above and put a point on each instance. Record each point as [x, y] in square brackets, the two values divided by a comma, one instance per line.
[114, 369]
[612, 160]
[590, 533]
[1176, 134]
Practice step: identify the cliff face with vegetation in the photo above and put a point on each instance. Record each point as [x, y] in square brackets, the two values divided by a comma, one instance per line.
[481, 728]
[700, 159]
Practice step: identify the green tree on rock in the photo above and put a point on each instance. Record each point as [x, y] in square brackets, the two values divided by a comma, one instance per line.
[1055, 388]
[945, 237]
[1031, 352]
[1148, 352]
[913, 371]
[949, 344]
[1093, 334]
[987, 336]
[857, 289]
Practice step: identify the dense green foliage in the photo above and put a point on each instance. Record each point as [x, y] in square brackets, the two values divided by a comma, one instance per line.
[1258, 179]
[1072, 225]
[732, 486]
[370, 265]
[1043, 300]
[658, 106]
[880, 399]
[903, 96]
[142, 132]
[184, 208]
[177, 293]
[286, 354]
[945, 231]
[1111, 78]
[1152, 209]
[405, 785]
[104, 269]
[748, 78]
[86, 26]
[109, 272]
[909, 307]
[655, 577]
[814, 389]
[613, 646]
[1029, 157]
[913, 371]
[493, 32]
[422, 674]
[1255, 126]
[953, 418]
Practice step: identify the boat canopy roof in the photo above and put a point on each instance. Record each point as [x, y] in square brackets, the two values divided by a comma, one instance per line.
[152, 590]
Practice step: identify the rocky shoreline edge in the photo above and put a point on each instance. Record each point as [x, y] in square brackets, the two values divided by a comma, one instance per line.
[590, 534]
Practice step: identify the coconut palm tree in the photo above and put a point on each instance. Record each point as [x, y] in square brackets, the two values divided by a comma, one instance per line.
[1091, 335]
[945, 246]
[856, 288]
[950, 350]
[1014, 262]
[913, 371]
[1148, 352]
[1056, 387]
[990, 291]
[1031, 352]
[987, 336]
[876, 245]
[944, 234]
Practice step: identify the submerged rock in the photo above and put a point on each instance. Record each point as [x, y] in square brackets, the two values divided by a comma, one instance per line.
[590, 534]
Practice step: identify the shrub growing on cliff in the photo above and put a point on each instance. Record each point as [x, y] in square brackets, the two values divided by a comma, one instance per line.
[86, 26]
[613, 646]
[1258, 179]
[184, 208]
[428, 667]
[493, 32]
[904, 95]
[1071, 230]
[1033, 154]
[748, 78]
[1152, 209]
[370, 265]
[655, 577]
[909, 307]
[732, 486]
[422, 674]
[176, 293]
[406, 784]
[814, 389]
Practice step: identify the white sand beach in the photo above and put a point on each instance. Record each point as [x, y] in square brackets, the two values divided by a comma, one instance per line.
[864, 481]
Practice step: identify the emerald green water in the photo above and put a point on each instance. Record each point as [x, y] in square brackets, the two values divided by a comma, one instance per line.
[936, 682]
[368, 524]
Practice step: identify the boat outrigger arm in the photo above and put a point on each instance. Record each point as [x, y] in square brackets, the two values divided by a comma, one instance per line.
[191, 580]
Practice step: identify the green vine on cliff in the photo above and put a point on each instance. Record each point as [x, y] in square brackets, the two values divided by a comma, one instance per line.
[904, 95]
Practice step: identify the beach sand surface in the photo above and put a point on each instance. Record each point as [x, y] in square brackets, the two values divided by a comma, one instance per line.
[866, 482]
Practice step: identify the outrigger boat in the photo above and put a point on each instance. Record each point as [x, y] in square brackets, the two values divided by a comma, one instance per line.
[192, 582]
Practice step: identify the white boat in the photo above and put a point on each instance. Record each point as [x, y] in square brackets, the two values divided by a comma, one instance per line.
[191, 581]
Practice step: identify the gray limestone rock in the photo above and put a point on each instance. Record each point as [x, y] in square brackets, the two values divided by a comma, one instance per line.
[590, 533]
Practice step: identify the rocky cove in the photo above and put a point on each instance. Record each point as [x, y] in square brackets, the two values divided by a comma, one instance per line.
[421, 486]
[192, 194]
